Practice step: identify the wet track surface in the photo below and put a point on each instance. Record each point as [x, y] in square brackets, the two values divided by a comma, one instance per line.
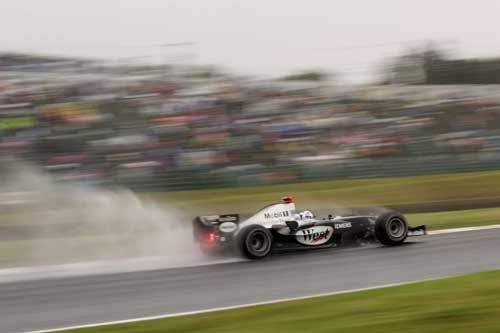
[53, 303]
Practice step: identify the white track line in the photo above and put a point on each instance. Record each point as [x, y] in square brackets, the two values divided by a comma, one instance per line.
[465, 229]
[233, 307]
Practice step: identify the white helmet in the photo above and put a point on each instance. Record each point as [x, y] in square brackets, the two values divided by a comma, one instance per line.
[304, 215]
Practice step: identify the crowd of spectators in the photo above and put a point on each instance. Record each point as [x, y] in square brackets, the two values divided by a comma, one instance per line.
[165, 127]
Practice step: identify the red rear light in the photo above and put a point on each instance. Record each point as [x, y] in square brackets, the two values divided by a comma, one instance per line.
[211, 238]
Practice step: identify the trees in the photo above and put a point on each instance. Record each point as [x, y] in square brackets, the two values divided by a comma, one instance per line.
[307, 76]
[433, 66]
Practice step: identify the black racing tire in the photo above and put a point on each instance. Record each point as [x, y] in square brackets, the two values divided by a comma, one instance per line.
[255, 242]
[391, 228]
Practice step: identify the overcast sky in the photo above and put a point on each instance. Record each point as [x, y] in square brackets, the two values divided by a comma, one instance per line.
[254, 36]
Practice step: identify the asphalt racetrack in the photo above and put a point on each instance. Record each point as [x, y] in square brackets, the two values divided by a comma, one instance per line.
[53, 303]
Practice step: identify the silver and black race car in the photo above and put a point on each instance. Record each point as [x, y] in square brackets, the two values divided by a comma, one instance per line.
[279, 227]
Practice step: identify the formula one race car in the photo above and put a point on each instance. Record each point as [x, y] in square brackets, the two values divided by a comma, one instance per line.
[279, 227]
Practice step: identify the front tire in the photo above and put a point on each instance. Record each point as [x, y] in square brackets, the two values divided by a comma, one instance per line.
[391, 228]
[255, 242]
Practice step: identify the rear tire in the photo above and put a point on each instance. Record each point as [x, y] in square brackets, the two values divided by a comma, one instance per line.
[255, 242]
[391, 228]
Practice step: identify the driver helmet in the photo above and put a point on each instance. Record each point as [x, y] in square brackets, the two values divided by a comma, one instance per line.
[304, 215]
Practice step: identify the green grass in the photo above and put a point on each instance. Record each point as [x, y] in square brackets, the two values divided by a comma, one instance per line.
[314, 195]
[456, 187]
[469, 303]
[456, 219]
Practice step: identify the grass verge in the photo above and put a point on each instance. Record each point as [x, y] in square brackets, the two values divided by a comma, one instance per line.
[394, 191]
[354, 192]
[456, 219]
[469, 303]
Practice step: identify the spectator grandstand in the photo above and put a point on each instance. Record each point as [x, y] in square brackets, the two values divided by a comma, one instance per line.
[160, 128]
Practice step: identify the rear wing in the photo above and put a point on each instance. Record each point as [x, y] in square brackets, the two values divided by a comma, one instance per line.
[214, 220]
[204, 226]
